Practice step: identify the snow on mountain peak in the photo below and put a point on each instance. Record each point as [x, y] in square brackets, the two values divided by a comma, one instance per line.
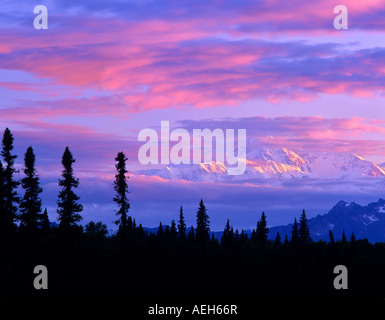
[213, 166]
[278, 163]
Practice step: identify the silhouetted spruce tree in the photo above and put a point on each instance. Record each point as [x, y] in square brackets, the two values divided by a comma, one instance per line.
[213, 240]
[121, 188]
[203, 229]
[44, 223]
[294, 233]
[286, 241]
[331, 238]
[303, 230]
[11, 198]
[277, 240]
[173, 230]
[343, 237]
[253, 236]
[167, 233]
[160, 231]
[352, 245]
[181, 224]
[30, 205]
[131, 224]
[236, 236]
[191, 234]
[227, 239]
[68, 207]
[96, 230]
[140, 234]
[2, 208]
[262, 230]
[243, 237]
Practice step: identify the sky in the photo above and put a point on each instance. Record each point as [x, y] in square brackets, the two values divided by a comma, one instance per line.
[104, 70]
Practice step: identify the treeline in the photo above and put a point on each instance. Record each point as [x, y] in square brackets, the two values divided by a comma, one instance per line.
[176, 259]
[27, 209]
[23, 213]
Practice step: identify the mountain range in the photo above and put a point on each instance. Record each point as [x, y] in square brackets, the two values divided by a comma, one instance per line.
[365, 221]
[278, 163]
[281, 165]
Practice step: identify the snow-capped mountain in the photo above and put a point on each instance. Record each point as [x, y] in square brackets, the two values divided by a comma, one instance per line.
[280, 163]
[365, 221]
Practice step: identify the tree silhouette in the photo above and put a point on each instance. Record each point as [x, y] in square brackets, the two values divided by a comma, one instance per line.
[10, 196]
[228, 235]
[253, 236]
[2, 205]
[203, 229]
[96, 230]
[243, 237]
[286, 241]
[44, 223]
[121, 188]
[167, 233]
[304, 231]
[262, 230]
[352, 245]
[181, 224]
[68, 207]
[191, 234]
[343, 237]
[173, 230]
[331, 238]
[30, 205]
[160, 232]
[294, 233]
[277, 240]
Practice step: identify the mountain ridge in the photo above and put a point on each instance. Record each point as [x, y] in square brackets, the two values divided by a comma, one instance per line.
[365, 221]
[278, 163]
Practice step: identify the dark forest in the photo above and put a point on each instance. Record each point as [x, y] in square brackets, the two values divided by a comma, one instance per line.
[175, 261]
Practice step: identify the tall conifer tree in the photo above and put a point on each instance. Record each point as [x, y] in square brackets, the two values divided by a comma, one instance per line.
[262, 230]
[331, 238]
[191, 234]
[294, 233]
[121, 188]
[343, 237]
[44, 221]
[2, 207]
[228, 235]
[277, 240]
[181, 224]
[173, 230]
[68, 207]
[10, 196]
[303, 230]
[30, 206]
[203, 224]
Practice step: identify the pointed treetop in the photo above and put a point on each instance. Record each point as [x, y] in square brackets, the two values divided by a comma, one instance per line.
[181, 224]
[304, 230]
[294, 233]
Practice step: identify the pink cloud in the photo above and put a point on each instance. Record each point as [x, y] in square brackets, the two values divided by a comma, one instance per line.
[158, 63]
